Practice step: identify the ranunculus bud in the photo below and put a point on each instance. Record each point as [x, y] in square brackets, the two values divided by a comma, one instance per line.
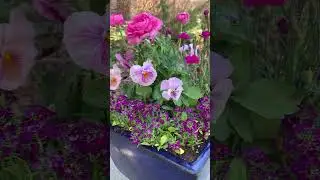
[206, 12]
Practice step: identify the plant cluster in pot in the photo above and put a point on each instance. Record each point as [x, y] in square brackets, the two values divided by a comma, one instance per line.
[159, 104]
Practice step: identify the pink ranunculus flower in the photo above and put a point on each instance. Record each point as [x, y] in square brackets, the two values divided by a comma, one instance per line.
[183, 17]
[142, 26]
[192, 57]
[115, 78]
[144, 75]
[116, 20]
[264, 2]
[172, 88]
[205, 34]
[17, 50]
[57, 10]
[86, 42]
[184, 36]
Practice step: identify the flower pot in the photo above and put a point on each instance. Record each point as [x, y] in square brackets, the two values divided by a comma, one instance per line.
[146, 163]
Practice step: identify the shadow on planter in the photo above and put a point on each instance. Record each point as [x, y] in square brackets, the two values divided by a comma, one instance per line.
[146, 163]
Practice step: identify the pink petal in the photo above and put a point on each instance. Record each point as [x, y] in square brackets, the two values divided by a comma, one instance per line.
[84, 40]
[135, 73]
[21, 30]
[166, 95]
[174, 83]
[164, 85]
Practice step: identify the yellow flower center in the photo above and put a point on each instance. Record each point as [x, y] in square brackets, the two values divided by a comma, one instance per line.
[7, 57]
[10, 67]
[145, 74]
[113, 81]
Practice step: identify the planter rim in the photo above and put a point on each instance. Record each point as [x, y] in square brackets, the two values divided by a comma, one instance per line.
[192, 167]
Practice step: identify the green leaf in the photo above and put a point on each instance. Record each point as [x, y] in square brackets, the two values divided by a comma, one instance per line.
[240, 120]
[220, 128]
[145, 143]
[172, 129]
[143, 91]
[184, 116]
[237, 170]
[193, 92]
[178, 102]
[265, 128]
[269, 99]
[156, 92]
[95, 92]
[163, 140]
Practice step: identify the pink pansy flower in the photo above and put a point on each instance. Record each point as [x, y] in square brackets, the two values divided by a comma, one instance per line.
[172, 88]
[115, 78]
[192, 57]
[184, 36]
[116, 20]
[125, 61]
[17, 50]
[183, 17]
[142, 26]
[85, 39]
[57, 10]
[205, 34]
[144, 75]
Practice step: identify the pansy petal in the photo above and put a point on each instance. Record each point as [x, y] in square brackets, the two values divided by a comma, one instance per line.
[15, 72]
[84, 40]
[174, 83]
[21, 29]
[164, 85]
[221, 67]
[220, 95]
[178, 93]
[135, 73]
[166, 95]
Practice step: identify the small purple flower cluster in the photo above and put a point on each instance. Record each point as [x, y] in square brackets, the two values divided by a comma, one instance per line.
[301, 142]
[67, 148]
[144, 119]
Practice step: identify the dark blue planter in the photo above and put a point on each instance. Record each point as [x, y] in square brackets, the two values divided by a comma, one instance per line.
[146, 163]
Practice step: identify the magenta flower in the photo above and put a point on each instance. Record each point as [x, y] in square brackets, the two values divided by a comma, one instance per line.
[144, 75]
[17, 50]
[184, 36]
[190, 126]
[264, 2]
[172, 88]
[192, 57]
[116, 20]
[142, 26]
[205, 34]
[206, 12]
[85, 40]
[125, 61]
[183, 17]
[57, 10]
